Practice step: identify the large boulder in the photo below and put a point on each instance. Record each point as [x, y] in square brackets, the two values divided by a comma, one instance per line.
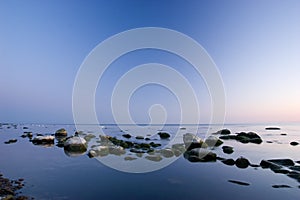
[75, 144]
[192, 141]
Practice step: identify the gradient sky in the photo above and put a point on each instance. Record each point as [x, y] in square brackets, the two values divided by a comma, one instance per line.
[255, 45]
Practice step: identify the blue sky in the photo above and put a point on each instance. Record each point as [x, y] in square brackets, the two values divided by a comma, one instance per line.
[255, 45]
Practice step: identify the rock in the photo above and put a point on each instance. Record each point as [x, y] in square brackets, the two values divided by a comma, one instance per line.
[227, 149]
[213, 141]
[129, 158]
[167, 153]
[272, 128]
[61, 132]
[268, 164]
[223, 132]
[43, 140]
[294, 143]
[281, 186]
[182, 128]
[242, 163]
[154, 144]
[229, 162]
[239, 182]
[192, 141]
[89, 137]
[200, 155]
[100, 151]
[164, 135]
[137, 151]
[126, 136]
[139, 137]
[92, 153]
[115, 150]
[297, 168]
[244, 137]
[155, 158]
[283, 162]
[11, 141]
[283, 134]
[75, 144]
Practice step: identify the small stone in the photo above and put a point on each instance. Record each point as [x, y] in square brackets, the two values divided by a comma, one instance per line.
[11, 141]
[227, 149]
[92, 153]
[242, 163]
[272, 128]
[139, 137]
[283, 134]
[164, 135]
[129, 158]
[126, 136]
[294, 143]
[61, 132]
[281, 186]
[239, 182]
[43, 140]
[229, 162]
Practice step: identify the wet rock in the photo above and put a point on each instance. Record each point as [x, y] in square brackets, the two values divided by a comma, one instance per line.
[283, 162]
[155, 158]
[239, 182]
[43, 140]
[213, 141]
[152, 144]
[139, 137]
[61, 132]
[229, 162]
[164, 135]
[272, 128]
[243, 137]
[281, 186]
[294, 143]
[227, 149]
[242, 162]
[92, 153]
[192, 141]
[75, 144]
[89, 137]
[223, 132]
[126, 136]
[129, 158]
[200, 155]
[167, 153]
[11, 141]
[115, 150]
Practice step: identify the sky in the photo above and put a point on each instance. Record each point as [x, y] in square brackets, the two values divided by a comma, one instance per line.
[254, 44]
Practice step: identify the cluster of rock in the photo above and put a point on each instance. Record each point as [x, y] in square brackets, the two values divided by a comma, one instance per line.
[243, 137]
[9, 188]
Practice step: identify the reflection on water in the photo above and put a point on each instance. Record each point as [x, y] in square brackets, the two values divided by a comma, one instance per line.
[241, 157]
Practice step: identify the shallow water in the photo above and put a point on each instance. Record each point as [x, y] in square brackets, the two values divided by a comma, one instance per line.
[50, 173]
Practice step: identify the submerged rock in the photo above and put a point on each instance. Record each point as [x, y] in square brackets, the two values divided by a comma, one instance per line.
[242, 163]
[129, 158]
[213, 141]
[164, 135]
[61, 132]
[155, 158]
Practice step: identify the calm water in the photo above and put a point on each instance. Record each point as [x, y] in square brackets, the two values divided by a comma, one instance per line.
[50, 173]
